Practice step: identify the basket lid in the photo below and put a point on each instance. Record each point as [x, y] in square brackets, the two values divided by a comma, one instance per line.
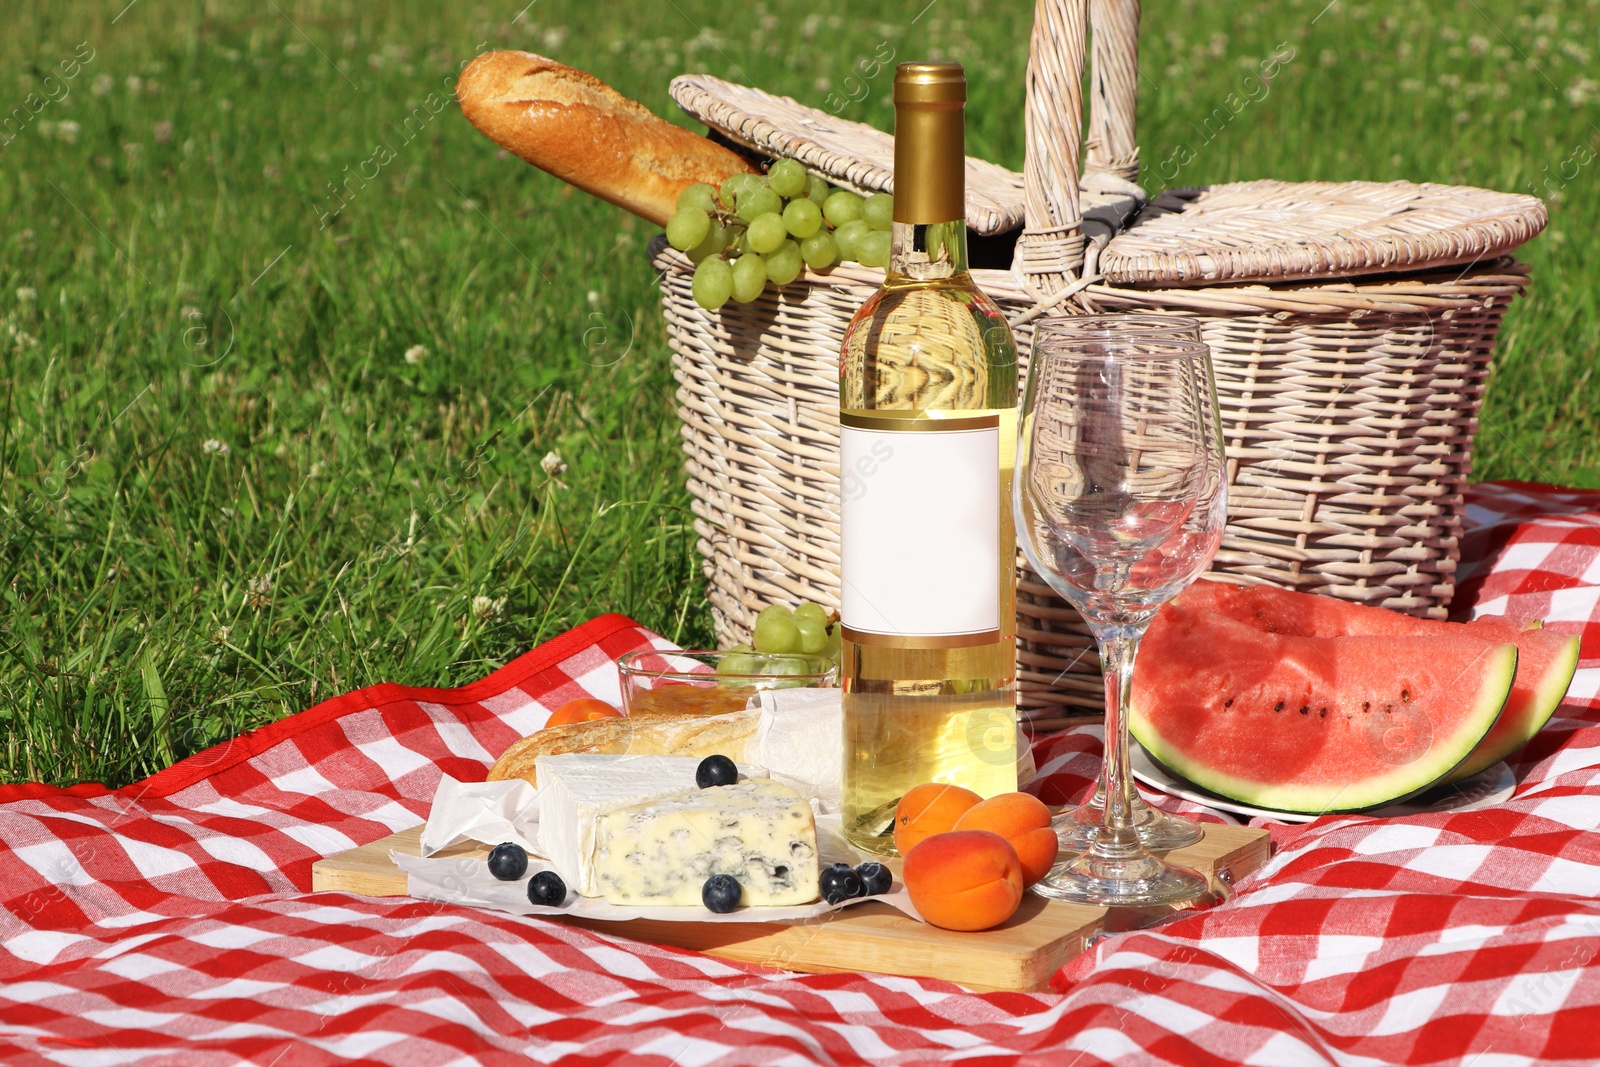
[861, 157]
[1265, 231]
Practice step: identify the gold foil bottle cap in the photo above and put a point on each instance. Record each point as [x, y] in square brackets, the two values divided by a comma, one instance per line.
[930, 175]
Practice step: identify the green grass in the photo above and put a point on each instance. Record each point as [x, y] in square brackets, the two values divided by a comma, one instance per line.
[363, 518]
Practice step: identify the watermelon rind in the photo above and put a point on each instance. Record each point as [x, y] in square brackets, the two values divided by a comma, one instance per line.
[1551, 691]
[1375, 791]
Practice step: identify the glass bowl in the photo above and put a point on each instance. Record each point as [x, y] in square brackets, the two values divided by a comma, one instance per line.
[713, 683]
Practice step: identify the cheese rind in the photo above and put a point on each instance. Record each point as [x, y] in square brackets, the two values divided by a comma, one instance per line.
[662, 851]
[576, 789]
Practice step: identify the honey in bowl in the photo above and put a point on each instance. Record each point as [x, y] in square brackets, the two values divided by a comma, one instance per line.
[680, 697]
[713, 683]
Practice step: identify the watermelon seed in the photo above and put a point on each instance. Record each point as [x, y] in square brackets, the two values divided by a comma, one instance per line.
[1366, 706]
[1405, 696]
[1228, 703]
[1305, 709]
[1278, 706]
[1323, 714]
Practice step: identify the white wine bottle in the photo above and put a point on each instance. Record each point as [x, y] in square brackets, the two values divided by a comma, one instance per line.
[927, 428]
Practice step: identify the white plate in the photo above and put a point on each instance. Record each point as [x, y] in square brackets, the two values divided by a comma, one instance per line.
[1483, 790]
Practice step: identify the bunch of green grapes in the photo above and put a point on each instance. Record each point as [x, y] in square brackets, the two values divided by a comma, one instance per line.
[779, 631]
[760, 228]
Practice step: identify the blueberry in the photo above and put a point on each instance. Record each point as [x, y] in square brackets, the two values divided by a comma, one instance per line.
[546, 887]
[721, 892]
[508, 861]
[875, 879]
[840, 882]
[715, 770]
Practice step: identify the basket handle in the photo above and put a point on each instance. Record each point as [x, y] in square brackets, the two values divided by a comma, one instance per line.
[1050, 253]
[1113, 88]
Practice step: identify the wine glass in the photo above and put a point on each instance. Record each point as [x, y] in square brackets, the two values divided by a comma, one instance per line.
[1157, 830]
[1120, 497]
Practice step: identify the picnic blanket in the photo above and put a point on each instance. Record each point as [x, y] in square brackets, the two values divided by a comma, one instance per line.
[171, 921]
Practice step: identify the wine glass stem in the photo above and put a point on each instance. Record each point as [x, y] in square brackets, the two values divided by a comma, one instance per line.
[1118, 647]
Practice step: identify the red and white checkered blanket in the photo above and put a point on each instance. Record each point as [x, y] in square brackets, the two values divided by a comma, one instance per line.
[171, 921]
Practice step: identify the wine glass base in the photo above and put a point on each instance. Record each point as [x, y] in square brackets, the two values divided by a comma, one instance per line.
[1158, 831]
[1137, 880]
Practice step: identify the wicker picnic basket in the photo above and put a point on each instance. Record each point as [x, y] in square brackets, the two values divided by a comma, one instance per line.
[1351, 324]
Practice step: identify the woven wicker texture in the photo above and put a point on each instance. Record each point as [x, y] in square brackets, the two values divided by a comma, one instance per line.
[1349, 407]
[1270, 231]
[1348, 411]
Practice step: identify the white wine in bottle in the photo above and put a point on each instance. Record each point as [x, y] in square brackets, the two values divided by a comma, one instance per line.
[927, 426]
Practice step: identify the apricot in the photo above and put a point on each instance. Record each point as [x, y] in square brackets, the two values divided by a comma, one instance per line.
[584, 709]
[927, 810]
[1022, 820]
[964, 879]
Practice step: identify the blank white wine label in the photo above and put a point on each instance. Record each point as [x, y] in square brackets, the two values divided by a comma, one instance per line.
[919, 531]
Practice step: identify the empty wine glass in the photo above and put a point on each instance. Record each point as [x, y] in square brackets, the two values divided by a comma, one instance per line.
[1120, 502]
[1157, 830]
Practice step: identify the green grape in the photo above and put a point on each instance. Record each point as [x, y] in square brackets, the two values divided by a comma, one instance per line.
[732, 186]
[773, 609]
[848, 236]
[812, 611]
[766, 233]
[783, 265]
[777, 633]
[872, 250]
[819, 250]
[803, 218]
[788, 178]
[843, 206]
[749, 278]
[835, 644]
[713, 283]
[813, 635]
[816, 189]
[716, 240]
[879, 211]
[734, 663]
[757, 200]
[698, 195]
[687, 228]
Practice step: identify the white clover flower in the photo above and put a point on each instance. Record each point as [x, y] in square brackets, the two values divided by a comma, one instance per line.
[27, 294]
[67, 131]
[163, 132]
[211, 444]
[552, 464]
[593, 298]
[416, 354]
[555, 37]
[486, 608]
[103, 85]
[135, 84]
[259, 591]
[1581, 91]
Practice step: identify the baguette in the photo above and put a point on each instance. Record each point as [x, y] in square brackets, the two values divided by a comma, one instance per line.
[575, 126]
[664, 734]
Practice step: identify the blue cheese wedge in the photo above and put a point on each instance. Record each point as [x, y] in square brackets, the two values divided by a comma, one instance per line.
[663, 850]
[577, 789]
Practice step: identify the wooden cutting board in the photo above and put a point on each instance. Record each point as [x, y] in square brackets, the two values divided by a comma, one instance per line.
[1021, 954]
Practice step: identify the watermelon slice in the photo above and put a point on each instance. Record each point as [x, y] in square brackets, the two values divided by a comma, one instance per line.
[1546, 662]
[1312, 724]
